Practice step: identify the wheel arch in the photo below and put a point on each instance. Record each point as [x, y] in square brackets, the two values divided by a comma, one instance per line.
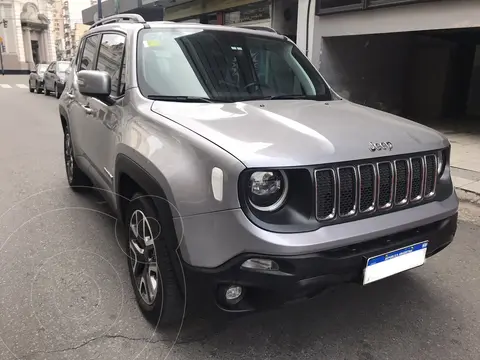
[127, 171]
[63, 117]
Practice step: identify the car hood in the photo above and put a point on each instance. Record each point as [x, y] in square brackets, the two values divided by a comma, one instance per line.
[300, 132]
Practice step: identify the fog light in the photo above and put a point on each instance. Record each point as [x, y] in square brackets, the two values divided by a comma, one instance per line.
[233, 293]
[260, 264]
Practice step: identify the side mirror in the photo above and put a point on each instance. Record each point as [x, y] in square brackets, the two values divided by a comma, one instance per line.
[94, 83]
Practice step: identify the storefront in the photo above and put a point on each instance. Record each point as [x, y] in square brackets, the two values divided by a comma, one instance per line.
[258, 14]
[219, 12]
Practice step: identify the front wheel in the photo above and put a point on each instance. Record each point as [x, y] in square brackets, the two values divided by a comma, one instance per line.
[57, 93]
[150, 266]
[45, 91]
[75, 176]
[30, 86]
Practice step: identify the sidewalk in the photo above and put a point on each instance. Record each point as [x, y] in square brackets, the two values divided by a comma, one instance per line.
[465, 159]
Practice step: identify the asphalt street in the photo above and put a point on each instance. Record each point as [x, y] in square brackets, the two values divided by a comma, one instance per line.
[65, 291]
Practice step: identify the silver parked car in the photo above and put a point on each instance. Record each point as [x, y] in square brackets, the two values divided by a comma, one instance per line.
[240, 176]
[54, 78]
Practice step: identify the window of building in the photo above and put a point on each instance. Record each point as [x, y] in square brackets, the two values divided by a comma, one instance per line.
[88, 54]
[328, 4]
[110, 58]
[332, 6]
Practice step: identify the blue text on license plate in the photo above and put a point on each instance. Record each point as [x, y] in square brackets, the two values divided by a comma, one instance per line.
[394, 262]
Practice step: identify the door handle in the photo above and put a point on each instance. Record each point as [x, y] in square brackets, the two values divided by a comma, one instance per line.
[87, 109]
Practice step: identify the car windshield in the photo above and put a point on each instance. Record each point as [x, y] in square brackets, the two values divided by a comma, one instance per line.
[213, 65]
[42, 68]
[62, 66]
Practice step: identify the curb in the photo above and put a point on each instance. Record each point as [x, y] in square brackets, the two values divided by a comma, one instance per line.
[468, 196]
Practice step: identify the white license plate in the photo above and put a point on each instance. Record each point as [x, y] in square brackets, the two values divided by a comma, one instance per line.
[394, 262]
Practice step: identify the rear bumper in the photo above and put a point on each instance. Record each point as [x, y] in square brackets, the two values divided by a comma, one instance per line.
[305, 276]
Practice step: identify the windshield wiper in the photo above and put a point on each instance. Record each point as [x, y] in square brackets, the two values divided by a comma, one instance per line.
[194, 99]
[280, 97]
[287, 97]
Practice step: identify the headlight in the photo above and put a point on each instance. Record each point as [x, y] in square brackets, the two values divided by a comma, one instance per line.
[267, 190]
[442, 161]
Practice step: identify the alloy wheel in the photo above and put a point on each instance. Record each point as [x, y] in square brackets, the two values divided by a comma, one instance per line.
[142, 256]
[69, 156]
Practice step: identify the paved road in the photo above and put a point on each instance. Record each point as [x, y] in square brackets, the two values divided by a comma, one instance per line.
[65, 292]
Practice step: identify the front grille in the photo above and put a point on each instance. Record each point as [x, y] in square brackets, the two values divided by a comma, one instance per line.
[346, 191]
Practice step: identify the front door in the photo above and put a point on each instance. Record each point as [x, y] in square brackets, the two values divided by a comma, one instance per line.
[102, 130]
[78, 112]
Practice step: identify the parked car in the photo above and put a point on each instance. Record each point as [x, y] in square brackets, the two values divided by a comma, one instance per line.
[54, 78]
[240, 176]
[35, 81]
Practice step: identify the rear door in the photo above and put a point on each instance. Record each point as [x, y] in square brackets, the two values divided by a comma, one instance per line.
[102, 126]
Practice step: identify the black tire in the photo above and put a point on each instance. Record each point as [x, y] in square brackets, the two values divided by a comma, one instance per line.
[30, 86]
[167, 307]
[57, 93]
[76, 178]
[37, 88]
[46, 92]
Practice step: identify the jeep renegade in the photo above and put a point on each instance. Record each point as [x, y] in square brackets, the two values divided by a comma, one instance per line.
[239, 174]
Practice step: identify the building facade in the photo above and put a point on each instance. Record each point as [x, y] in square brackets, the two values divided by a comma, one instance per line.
[26, 33]
[415, 58]
[220, 12]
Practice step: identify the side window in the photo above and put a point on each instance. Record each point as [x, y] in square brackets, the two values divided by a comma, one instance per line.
[76, 59]
[88, 54]
[110, 59]
[122, 76]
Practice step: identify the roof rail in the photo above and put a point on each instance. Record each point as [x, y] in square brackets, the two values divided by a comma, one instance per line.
[131, 18]
[261, 28]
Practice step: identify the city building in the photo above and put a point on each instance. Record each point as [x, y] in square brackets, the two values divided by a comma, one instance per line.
[78, 31]
[27, 34]
[58, 29]
[72, 15]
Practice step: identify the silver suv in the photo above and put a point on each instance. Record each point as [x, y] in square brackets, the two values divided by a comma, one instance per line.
[241, 177]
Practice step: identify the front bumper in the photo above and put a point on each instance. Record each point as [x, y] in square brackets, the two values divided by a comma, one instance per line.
[304, 276]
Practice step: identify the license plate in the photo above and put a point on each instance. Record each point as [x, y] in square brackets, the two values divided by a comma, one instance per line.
[394, 262]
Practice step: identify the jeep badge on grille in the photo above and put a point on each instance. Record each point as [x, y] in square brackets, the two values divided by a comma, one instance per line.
[378, 146]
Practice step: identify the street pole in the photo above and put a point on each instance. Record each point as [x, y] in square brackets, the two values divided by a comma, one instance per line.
[99, 9]
[1, 57]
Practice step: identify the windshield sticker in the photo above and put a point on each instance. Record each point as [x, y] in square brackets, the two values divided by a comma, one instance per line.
[151, 43]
